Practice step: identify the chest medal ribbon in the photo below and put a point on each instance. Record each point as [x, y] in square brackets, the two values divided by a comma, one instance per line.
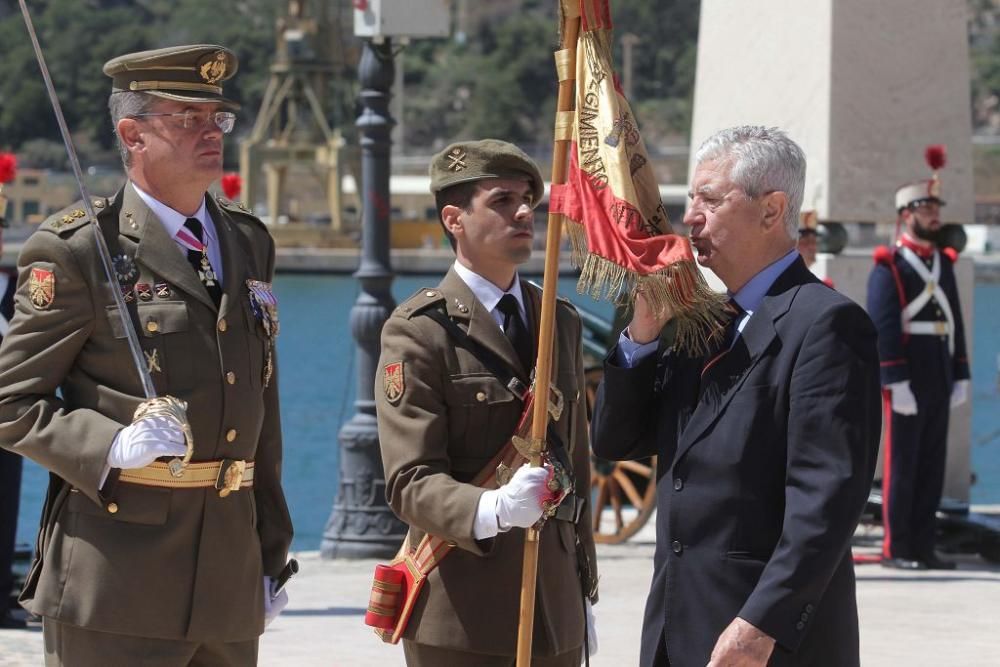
[264, 306]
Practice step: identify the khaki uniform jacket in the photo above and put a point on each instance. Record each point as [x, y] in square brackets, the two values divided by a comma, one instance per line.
[451, 420]
[169, 563]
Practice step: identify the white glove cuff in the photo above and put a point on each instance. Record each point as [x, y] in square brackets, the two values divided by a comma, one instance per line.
[486, 524]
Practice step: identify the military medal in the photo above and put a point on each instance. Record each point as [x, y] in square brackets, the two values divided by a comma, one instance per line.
[128, 295]
[162, 290]
[206, 274]
[144, 291]
[264, 306]
[124, 267]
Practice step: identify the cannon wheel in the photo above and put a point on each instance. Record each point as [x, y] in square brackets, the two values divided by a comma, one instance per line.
[618, 484]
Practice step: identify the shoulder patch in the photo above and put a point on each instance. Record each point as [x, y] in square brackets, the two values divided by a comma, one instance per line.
[393, 381]
[41, 287]
[420, 301]
[951, 254]
[883, 255]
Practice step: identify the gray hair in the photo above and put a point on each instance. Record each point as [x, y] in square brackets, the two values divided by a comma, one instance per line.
[126, 104]
[761, 160]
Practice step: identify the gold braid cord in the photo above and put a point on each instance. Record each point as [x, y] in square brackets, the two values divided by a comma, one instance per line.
[176, 410]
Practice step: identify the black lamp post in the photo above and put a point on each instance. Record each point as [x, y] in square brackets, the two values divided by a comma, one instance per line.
[362, 525]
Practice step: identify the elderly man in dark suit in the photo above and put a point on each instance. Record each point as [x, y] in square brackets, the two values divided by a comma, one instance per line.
[766, 445]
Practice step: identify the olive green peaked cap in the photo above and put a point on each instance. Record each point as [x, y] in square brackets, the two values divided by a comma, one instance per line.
[466, 161]
[191, 73]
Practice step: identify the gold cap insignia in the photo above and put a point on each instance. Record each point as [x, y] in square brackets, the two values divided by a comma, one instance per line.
[42, 288]
[214, 69]
[456, 160]
[393, 382]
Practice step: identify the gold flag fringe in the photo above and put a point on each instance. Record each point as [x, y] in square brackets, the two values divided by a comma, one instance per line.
[700, 313]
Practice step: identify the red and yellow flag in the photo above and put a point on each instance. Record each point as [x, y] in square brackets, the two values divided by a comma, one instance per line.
[622, 239]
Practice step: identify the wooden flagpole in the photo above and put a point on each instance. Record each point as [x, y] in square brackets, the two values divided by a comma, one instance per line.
[566, 67]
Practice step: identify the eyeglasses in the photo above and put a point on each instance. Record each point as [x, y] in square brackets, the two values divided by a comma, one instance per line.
[224, 120]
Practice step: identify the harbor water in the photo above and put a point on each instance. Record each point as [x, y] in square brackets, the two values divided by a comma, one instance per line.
[317, 385]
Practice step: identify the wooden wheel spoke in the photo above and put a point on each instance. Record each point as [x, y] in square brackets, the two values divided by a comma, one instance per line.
[602, 501]
[638, 468]
[629, 488]
[616, 504]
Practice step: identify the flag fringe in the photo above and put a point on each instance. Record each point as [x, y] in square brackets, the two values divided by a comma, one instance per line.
[700, 312]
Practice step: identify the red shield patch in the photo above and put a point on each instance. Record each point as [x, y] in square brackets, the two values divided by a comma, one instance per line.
[42, 288]
[393, 382]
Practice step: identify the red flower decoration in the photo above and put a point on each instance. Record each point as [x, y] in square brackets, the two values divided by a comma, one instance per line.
[232, 184]
[8, 167]
[936, 156]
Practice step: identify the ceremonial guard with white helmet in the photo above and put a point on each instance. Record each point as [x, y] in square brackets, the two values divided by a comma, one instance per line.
[913, 300]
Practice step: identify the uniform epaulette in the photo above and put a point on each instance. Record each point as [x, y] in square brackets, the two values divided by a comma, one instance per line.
[240, 210]
[419, 302]
[73, 216]
[950, 253]
[883, 255]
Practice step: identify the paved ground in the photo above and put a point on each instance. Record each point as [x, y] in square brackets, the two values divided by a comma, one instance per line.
[939, 619]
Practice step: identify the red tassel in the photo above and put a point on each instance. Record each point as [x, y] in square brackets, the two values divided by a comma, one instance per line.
[232, 184]
[8, 167]
[936, 156]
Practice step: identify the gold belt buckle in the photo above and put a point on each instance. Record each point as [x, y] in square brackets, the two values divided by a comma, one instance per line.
[230, 476]
[941, 327]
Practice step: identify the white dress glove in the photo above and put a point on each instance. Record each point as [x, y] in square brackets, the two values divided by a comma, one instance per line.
[959, 392]
[138, 445]
[273, 604]
[903, 400]
[591, 629]
[516, 503]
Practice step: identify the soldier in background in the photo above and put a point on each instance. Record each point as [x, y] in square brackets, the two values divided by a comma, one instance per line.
[134, 565]
[913, 300]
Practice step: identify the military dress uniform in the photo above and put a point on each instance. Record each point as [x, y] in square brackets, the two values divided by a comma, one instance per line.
[913, 301]
[449, 421]
[161, 563]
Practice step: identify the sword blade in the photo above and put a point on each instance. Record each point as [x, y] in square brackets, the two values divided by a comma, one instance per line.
[102, 249]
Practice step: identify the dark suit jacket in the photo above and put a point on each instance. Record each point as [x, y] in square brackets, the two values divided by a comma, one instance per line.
[762, 475]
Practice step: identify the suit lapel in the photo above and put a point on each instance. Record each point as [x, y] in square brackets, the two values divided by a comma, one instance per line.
[722, 381]
[482, 327]
[156, 249]
[234, 257]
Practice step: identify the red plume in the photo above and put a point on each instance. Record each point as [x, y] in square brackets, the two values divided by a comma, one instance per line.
[936, 156]
[8, 167]
[232, 184]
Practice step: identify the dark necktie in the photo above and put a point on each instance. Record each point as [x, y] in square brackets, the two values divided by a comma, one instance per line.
[515, 330]
[199, 261]
[728, 335]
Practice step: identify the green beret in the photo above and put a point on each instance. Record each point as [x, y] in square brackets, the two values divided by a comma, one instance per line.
[467, 161]
[191, 73]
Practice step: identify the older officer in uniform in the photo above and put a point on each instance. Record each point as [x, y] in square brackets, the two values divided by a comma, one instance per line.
[134, 566]
[445, 414]
[913, 300]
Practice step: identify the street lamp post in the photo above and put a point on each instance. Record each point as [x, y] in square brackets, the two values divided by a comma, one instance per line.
[362, 525]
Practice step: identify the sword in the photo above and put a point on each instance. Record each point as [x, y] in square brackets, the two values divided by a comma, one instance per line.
[166, 406]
